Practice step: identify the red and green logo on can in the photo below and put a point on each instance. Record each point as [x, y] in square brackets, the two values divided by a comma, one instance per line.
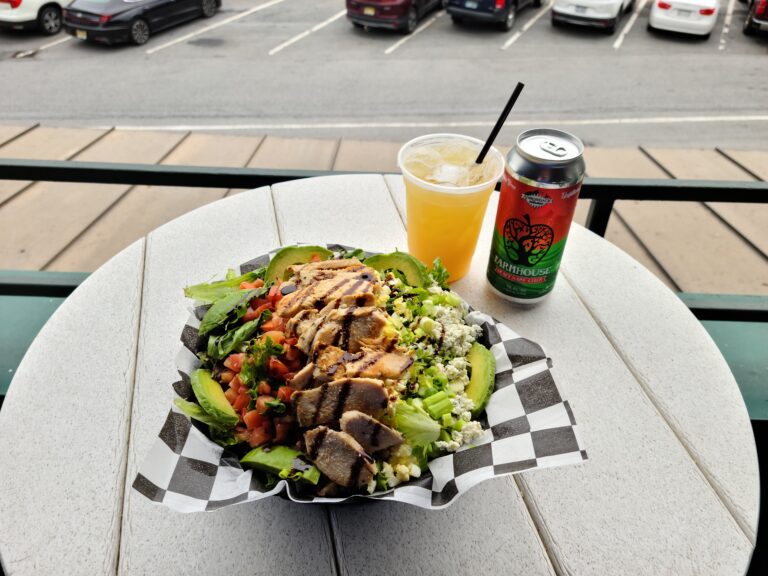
[529, 237]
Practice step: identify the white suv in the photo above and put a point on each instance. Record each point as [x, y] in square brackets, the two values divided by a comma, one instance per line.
[45, 15]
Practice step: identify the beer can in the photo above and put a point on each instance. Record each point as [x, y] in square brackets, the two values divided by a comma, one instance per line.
[541, 183]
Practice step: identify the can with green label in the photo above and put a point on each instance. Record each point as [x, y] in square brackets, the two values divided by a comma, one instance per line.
[539, 190]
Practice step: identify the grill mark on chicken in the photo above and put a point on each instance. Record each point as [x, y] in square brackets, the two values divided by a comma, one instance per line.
[362, 280]
[341, 402]
[346, 324]
[317, 442]
[370, 361]
[361, 301]
[375, 433]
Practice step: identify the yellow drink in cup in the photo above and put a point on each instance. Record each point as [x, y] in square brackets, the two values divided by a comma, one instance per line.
[446, 195]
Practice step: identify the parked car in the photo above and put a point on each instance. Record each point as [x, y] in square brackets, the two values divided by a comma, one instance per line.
[43, 15]
[603, 14]
[696, 17]
[502, 13]
[757, 17]
[400, 15]
[114, 21]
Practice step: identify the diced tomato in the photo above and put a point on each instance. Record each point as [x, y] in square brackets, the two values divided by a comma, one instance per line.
[288, 376]
[236, 382]
[264, 387]
[277, 368]
[253, 313]
[282, 430]
[315, 257]
[234, 362]
[291, 341]
[284, 393]
[274, 323]
[275, 335]
[291, 353]
[231, 395]
[258, 283]
[259, 436]
[253, 419]
[261, 403]
[226, 376]
[241, 401]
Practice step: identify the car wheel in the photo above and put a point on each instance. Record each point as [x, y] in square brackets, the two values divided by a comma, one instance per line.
[413, 21]
[509, 19]
[49, 20]
[555, 22]
[537, 3]
[357, 25]
[749, 27]
[209, 8]
[139, 32]
[611, 28]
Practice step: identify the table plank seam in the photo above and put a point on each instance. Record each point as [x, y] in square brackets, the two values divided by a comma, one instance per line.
[334, 533]
[711, 481]
[275, 216]
[20, 134]
[617, 214]
[546, 540]
[124, 495]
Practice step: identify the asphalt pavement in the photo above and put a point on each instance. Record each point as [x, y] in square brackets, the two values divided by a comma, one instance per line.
[299, 68]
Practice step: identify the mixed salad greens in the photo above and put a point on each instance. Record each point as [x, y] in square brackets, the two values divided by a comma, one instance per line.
[246, 388]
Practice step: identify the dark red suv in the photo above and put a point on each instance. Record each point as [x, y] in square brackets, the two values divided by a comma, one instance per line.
[757, 17]
[402, 15]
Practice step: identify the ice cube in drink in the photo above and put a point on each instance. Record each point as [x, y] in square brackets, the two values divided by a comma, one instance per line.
[446, 197]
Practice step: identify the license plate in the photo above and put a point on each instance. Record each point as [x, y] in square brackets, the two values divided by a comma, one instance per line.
[82, 34]
[685, 13]
[369, 11]
[470, 5]
[580, 9]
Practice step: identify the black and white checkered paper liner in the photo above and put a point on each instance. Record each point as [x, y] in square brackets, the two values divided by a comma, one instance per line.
[527, 424]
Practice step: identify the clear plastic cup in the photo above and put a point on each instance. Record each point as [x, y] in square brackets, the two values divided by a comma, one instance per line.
[446, 197]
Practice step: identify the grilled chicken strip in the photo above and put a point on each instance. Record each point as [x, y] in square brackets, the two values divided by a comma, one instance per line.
[357, 285]
[369, 432]
[326, 404]
[351, 328]
[340, 457]
[313, 271]
[332, 363]
[303, 378]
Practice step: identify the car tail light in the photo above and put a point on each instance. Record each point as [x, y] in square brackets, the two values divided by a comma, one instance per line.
[104, 18]
[500, 4]
[14, 3]
[707, 11]
[664, 5]
[760, 10]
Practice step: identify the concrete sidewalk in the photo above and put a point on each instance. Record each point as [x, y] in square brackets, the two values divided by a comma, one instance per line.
[693, 247]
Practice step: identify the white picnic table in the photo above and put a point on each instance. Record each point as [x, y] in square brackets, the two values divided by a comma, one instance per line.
[670, 486]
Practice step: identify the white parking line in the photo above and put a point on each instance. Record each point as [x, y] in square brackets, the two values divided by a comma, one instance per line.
[418, 30]
[628, 26]
[306, 33]
[469, 124]
[34, 51]
[214, 26]
[726, 25]
[514, 38]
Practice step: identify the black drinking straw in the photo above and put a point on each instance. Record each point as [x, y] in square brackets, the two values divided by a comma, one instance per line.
[500, 122]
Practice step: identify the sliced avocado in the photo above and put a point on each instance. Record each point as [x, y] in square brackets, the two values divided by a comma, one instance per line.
[414, 271]
[483, 379]
[283, 461]
[291, 255]
[211, 397]
[196, 412]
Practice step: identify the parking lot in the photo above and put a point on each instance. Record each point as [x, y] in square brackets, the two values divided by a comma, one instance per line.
[300, 68]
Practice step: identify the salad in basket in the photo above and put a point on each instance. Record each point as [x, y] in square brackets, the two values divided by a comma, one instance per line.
[341, 373]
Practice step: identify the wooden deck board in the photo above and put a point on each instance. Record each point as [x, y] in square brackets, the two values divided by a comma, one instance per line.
[41, 221]
[748, 220]
[144, 208]
[362, 156]
[10, 132]
[43, 144]
[624, 163]
[295, 154]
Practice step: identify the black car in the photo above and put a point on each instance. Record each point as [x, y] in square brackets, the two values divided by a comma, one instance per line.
[500, 12]
[113, 21]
